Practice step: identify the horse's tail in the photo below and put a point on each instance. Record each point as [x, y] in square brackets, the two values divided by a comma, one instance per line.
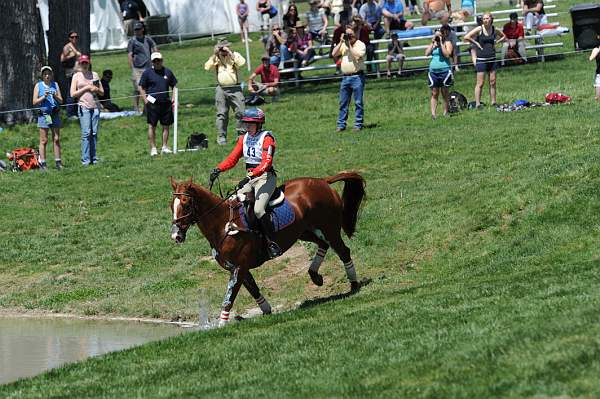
[352, 196]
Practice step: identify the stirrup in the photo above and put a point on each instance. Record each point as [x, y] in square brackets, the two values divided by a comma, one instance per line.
[274, 250]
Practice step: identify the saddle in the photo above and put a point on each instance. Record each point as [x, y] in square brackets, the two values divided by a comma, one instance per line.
[242, 217]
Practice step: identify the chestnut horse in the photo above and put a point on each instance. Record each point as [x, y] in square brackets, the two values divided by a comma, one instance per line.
[320, 215]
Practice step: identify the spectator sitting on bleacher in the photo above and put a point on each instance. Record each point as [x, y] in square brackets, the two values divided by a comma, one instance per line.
[291, 18]
[269, 76]
[452, 38]
[277, 48]
[371, 13]
[303, 47]
[317, 23]
[515, 37]
[467, 6]
[105, 100]
[534, 14]
[393, 16]
[395, 54]
[432, 9]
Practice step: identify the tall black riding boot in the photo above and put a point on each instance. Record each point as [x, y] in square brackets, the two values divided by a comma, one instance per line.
[265, 226]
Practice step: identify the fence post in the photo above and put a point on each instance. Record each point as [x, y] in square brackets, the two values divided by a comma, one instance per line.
[175, 117]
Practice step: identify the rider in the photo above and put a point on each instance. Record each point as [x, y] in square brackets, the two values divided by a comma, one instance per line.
[257, 146]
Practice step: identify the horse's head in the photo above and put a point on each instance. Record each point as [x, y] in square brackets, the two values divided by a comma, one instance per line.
[182, 206]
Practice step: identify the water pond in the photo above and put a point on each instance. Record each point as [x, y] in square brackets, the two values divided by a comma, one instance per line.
[29, 346]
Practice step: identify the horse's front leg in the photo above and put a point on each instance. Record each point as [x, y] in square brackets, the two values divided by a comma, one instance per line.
[253, 289]
[233, 287]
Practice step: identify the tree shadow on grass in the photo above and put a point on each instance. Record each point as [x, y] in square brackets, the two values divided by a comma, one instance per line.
[319, 301]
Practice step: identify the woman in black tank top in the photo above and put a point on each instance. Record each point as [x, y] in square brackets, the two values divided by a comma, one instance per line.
[484, 39]
[595, 55]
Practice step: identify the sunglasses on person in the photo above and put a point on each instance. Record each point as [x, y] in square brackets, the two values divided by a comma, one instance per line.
[74, 37]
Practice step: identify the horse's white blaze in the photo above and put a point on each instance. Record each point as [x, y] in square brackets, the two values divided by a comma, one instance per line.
[175, 206]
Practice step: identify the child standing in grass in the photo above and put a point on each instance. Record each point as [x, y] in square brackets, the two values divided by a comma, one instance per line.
[594, 56]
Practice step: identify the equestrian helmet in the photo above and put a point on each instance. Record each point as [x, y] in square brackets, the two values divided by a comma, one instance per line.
[255, 115]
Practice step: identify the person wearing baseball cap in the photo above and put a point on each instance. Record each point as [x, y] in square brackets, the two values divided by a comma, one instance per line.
[228, 93]
[86, 88]
[154, 90]
[139, 49]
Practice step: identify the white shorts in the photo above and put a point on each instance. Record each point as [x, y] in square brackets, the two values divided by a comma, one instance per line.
[597, 80]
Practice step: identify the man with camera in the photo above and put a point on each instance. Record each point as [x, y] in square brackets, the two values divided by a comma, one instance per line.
[226, 64]
[352, 66]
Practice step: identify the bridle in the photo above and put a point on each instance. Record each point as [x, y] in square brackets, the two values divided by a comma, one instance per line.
[195, 219]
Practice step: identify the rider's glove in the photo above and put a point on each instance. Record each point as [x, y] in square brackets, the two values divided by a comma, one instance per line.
[214, 174]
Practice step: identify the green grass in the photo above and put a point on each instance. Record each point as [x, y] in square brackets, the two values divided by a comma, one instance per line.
[479, 235]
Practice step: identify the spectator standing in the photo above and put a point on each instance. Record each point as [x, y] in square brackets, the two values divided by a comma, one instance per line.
[395, 54]
[130, 10]
[337, 6]
[451, 37]
[413, 7]
[317, 22]
[432, 9]
[263, 7]
[226, 64]
[393, 16]
[46, 96]
[440, 68]
[68, 60]
[86, 87]
[291, 18]
[371, 13]
[242, 10]
[304, 51]
[352, 52]
[534, 14]
[269, 77]
[105, 101]
[485, 38]
[154, 86]
[139, 50]
[515, 37]
[594, 56]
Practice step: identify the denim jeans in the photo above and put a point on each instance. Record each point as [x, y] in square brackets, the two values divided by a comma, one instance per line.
[88, 120]
[351, 85]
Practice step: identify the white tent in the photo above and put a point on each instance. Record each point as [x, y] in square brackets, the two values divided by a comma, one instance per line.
[187, 18]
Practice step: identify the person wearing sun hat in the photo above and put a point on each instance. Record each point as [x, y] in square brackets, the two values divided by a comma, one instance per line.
[154, 89]
[46, 96]
[228, 94]
[86, 88]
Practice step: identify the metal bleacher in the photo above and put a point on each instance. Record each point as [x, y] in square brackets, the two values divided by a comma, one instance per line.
[535, 42]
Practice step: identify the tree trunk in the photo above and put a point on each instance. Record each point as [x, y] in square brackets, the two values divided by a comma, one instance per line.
[66, 16]
[22, 53]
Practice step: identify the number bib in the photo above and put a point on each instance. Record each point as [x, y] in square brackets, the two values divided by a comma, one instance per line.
[253, 147]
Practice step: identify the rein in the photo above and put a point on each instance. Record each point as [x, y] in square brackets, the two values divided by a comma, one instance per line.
[191, 213]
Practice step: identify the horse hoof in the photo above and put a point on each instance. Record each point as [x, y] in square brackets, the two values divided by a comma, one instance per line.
[316, 278]
[354, 286]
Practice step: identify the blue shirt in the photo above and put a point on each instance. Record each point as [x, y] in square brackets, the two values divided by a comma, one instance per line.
[439, 63]
[395, 7]
[156, 82]
[467, 3]
[371, 13]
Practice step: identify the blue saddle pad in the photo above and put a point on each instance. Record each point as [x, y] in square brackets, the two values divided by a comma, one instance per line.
[282, 215]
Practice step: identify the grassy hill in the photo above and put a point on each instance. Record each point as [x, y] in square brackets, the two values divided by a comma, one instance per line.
[479, 237]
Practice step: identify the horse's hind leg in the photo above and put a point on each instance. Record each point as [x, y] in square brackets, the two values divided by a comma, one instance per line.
[337, 243]
[253, 289]
[315, 264]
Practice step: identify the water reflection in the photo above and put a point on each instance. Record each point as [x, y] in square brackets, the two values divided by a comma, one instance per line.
[30, 346]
